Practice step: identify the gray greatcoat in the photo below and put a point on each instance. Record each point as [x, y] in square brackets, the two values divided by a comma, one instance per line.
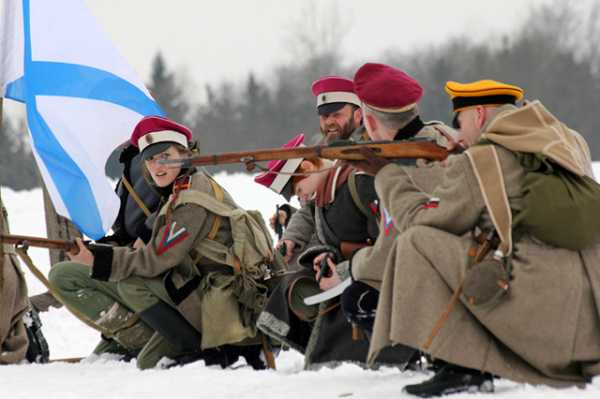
[547, 328]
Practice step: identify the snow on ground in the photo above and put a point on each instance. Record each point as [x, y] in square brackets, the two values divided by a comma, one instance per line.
[103, 378]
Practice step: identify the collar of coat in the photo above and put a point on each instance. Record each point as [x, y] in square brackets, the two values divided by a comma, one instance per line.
[410, 130]
[335, 179]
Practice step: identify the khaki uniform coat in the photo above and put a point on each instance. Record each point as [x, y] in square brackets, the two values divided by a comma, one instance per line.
[207, 302]
[368, 264]
[13, 304]
[545, 330]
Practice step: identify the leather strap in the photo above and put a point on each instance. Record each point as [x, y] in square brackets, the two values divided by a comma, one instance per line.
[135, 196]
[486, 165]
[219, 195]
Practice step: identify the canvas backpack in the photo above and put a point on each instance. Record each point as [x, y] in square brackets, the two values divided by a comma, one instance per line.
[559, 208]
[251, 254]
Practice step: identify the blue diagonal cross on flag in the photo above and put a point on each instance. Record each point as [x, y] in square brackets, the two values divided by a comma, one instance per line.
[82, 100]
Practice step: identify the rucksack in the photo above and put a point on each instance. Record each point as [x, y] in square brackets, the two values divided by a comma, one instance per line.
[251, 254]
[559, 207]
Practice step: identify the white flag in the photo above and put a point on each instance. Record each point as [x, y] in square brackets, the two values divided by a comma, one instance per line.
[82, 98]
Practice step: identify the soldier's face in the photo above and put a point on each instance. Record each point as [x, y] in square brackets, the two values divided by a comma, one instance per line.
[163, 175]
[470, 122]
[340, 124]
[305, 187]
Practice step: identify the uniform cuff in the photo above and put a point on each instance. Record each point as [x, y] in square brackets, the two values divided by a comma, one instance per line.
[343, 270]
[103, 258]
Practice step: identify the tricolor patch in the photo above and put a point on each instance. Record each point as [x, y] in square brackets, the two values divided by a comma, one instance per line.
[388, 222]
[170, 238]
[433, 202]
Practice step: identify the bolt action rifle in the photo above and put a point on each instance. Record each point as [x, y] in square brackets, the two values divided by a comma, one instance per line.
[28, 241]
[343, 149]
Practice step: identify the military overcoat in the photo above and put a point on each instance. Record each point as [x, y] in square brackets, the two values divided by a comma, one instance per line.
[546, 329]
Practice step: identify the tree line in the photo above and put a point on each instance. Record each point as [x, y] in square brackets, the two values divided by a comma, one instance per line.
[554, 55]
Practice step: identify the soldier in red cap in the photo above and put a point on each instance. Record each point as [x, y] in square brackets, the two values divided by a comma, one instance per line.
[175, 296]
[338, 106]
[389, 99]
[341, 202]
[340, 117]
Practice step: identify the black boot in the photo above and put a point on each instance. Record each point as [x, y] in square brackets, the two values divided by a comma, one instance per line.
[452, 379]
[173, 327]
[37, 351]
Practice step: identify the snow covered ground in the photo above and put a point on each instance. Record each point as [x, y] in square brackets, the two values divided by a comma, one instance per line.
[103, 378]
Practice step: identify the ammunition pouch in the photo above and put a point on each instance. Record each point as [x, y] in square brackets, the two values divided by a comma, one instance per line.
[486, 279]
[486, 282]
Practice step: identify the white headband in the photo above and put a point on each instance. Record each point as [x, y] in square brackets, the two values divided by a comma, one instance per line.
[161, 137]
[337, 97]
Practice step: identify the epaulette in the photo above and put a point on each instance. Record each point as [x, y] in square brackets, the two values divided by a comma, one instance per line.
[182, 183]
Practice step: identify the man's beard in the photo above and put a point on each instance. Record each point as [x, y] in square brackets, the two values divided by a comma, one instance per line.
[342, 133]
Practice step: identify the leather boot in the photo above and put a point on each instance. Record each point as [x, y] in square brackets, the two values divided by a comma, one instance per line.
[125, 327]
[172, 326]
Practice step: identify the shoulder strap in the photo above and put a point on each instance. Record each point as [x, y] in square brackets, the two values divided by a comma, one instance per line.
[135, 196]
[355, 197]
[219, 195]
[486, 165]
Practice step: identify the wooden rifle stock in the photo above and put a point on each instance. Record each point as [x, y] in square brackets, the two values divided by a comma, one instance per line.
[68, 246]
[345, 150]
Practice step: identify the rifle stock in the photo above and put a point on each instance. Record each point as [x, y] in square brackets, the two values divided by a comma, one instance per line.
[69, 246]
[344, 150]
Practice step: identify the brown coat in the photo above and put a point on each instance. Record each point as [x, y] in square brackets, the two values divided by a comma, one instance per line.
[13, 304]
[168, 256]
[545, 330]
[368, 264]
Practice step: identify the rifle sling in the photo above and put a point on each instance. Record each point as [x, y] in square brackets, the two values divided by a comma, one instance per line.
[355, 196]
[135, 196]
[219, 195]
[22, 252]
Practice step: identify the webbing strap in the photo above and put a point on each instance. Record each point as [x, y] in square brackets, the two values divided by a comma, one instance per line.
[486, 165]
[355, 196]
[135, 196]
[219, 195]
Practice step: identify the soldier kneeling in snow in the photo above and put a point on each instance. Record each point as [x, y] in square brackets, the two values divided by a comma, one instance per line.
[195, 290]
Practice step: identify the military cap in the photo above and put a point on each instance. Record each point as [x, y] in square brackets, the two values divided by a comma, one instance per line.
[387, 89]
[154, 134]
[281, 183]
[333, 92]
[482, 92]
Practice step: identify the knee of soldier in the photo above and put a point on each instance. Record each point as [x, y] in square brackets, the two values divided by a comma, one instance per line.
[414, 238]
[131, 288]
[66, 276]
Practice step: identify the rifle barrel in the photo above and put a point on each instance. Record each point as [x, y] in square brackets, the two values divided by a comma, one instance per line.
[394, 149]
[37, 242]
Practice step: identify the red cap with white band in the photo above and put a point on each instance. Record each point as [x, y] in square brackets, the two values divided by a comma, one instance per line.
[154, 134]
[333, 92]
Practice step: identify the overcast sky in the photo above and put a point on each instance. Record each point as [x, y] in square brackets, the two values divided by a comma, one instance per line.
[215, 40]
[210, 41]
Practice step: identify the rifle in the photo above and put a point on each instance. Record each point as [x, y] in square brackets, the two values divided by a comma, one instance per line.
[343, 149]
[278, 225]
[27, 241]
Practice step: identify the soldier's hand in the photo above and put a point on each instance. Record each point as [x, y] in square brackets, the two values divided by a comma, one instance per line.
[372, 163]
[84, 256]
[139, 243]
[329, 280]
[281, 216]
[289, 246]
